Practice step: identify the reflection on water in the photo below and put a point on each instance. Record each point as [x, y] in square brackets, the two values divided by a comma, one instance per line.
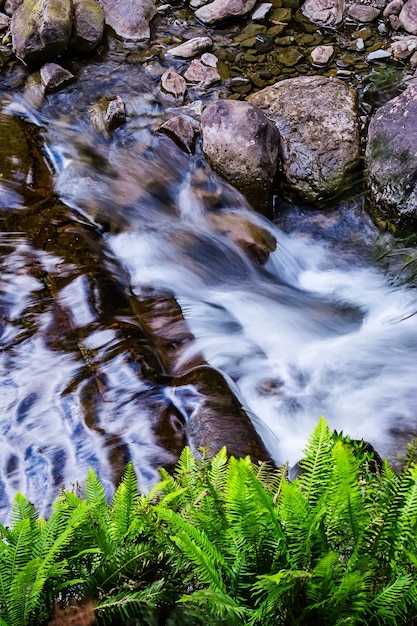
[116, 295]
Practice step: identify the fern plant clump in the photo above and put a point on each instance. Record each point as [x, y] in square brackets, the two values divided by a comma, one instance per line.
[225, 541]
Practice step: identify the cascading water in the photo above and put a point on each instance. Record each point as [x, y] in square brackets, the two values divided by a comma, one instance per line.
[316, 330]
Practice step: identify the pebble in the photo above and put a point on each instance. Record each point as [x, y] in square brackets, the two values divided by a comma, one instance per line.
[378, 55]
[262, 11]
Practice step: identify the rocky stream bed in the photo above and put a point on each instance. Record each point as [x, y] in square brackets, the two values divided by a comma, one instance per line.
[193, 199]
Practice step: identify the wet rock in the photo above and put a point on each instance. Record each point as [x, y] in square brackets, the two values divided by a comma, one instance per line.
[408, 17]
[262, 11]
[173, 83]
[41, 29]
[254, 240]
[10, 6]
[363, 13]
[181, 129]
[130, 19]
[378, 55]
[391, 162]
[322, 55]
[317, 121]
[4, 21]
[393, 8]
[54, 77]
[223, 10]
[241, 145]
[24, 175]
[326, 12]
[403, 48]
[209, 59]
[191, 48]
[218, 418]
[107, 114]
[205, 75]
[87, 25]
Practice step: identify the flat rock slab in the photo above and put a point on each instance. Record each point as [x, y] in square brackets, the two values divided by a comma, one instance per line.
[391, 162]
[317, 122]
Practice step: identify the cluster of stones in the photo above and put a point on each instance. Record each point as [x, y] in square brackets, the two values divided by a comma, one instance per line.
[301, 133]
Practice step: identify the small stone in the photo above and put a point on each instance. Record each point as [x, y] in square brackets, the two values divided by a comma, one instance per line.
[363, 13]
[322, 55]
[191, 48]
[382, 29]
[173, 83]
[54, 77]
[262, 11]
[289, 57]
[413, 61]
[181, 130]
[281, 15]
[378, 55]
[4, 21]
[209, 59]
[264, 43]
[197, 72]
[393, 8]
[394, 22]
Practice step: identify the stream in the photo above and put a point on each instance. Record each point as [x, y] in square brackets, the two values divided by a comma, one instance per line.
[107, 225]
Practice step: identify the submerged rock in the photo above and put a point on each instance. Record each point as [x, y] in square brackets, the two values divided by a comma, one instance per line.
[317, 121]
[41, 29]
[191, 48]
[391, 163]
[241, 145]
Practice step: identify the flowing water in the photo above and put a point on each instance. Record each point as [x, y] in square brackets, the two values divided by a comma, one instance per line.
[318, 329]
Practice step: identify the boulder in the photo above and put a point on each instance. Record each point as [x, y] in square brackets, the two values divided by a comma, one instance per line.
[41, 29]
[223, 10]
[408, 17]
[87, 26]
[391, 163]
[320, 144]
[130, 19]
[107, 114]
[241, 144]
[324, 12]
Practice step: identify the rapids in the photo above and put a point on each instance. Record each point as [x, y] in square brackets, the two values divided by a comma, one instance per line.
[319, 329]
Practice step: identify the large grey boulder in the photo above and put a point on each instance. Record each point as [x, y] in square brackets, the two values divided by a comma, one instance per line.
[41, 29]
[88, 25]
[241, 144]
[223, 10]
[317, 121]
[391, 163]
[130, 19]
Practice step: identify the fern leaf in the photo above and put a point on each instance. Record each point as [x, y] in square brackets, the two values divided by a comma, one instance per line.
[130, 604]
[94, 492]
[390, 600]
[317, 466]
[124, 504]
[216, 605]
[22, 509]
[25, 592]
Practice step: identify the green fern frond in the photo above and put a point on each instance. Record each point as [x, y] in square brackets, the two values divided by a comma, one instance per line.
[25, 592]
[128, 604]
[216, 605]
[124, 504]
[22, 509]
[391, 600]
[94, 492]
[316, 466]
